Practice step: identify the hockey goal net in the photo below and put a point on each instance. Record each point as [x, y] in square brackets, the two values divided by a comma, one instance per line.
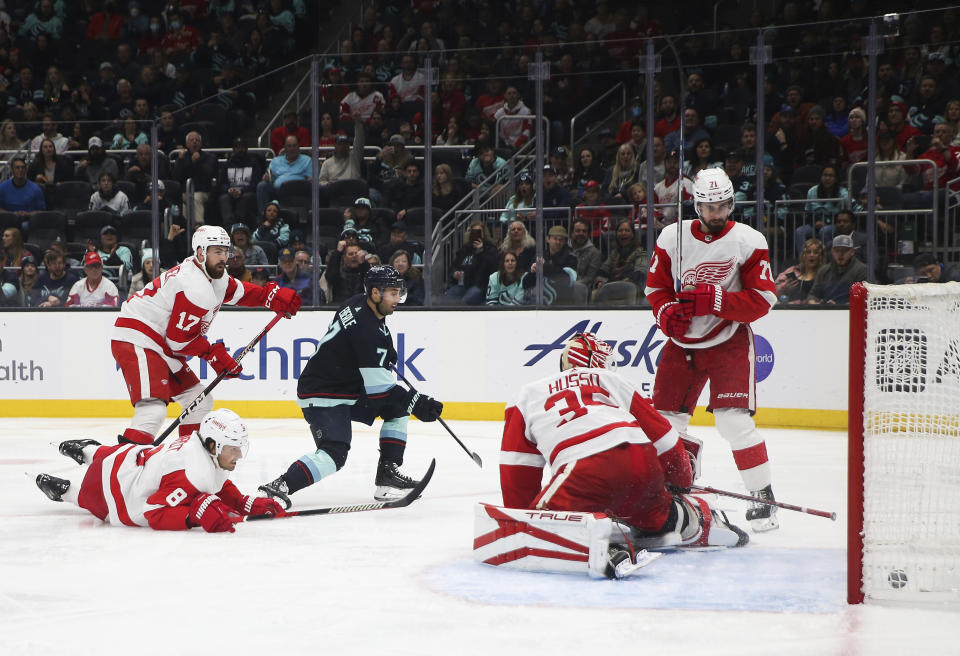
[903, 541]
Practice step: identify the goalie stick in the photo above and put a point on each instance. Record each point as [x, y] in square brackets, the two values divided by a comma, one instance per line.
[216, 381]
[768, 502]
[362, 507]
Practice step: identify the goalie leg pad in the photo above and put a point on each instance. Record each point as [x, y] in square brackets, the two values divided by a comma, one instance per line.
[542, 540]
[700, 525]
[693, 446]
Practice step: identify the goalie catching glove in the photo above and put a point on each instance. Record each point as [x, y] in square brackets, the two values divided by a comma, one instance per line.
[423, 407]
[281, 300]
[208, 511]
[703, 300]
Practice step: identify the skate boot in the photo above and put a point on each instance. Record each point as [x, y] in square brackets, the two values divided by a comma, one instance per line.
[620, 564]
[761, 516]
[52, 486]
[73, 449]
[278, 489]
[391, 482]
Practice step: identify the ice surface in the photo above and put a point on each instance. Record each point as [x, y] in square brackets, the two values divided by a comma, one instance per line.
[403, 582]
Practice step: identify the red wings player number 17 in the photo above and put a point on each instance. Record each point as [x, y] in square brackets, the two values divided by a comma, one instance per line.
[726, 283]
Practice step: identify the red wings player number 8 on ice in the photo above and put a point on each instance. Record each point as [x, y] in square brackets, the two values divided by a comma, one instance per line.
[167, 321]
[726, 283]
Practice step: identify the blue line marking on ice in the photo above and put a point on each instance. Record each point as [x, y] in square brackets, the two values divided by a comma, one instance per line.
[766, 580]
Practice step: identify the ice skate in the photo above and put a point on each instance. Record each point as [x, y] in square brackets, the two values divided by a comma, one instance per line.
[763, 517]
[621, 565]
[52, 486]
[73, 449]
[391, 482]
[277, 488]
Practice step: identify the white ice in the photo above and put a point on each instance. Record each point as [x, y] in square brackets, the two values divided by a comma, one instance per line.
[403, 581]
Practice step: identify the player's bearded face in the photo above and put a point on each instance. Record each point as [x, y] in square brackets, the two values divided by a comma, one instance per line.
[216, 261]
[389, 300]
[714, 216]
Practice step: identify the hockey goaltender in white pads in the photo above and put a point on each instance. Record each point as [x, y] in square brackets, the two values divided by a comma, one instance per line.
[552, 541]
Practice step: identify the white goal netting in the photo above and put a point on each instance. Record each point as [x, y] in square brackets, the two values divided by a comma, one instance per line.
[911, 443]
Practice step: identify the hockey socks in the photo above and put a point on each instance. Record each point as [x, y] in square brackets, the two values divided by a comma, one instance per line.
[308, 470]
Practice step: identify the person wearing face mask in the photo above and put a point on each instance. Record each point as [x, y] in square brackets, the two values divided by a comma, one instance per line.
[152, 38]
[181, 39]
[137, 23]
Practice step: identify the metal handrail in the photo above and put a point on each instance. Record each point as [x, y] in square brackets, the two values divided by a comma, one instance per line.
[620, 86]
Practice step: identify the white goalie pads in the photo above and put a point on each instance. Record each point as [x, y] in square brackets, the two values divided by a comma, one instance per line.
[542, 540]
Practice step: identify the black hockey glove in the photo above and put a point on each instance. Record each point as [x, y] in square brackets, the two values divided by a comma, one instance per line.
[424, 408]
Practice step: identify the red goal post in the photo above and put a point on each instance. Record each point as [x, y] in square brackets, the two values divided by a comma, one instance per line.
[903, 496]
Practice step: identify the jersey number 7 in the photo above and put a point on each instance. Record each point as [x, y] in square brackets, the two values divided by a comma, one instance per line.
[575, 399]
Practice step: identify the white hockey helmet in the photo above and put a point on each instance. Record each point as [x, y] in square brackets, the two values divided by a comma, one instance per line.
[225, 428]
[712, 186]
[208, 235]
[586, 350]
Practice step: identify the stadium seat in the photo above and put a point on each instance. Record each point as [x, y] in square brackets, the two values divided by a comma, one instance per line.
[296, 193]
[9, 220]
[43, 228]
[330, 221]
[890, 197]
[798, 190]
[136, 226]
[270, 248]
[89, 224]
[620, 292]
[130, 190]
[71, 197]
[342, 193]
[416, 218]
[809, 174]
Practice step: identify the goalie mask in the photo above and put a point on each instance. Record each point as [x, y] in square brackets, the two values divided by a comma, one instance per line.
[586, 350]
[383, 276]
[712, 186]
[207, 235]
[224, 428]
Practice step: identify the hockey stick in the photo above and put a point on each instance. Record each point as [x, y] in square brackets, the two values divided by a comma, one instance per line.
[778, 504]
[216, 381]
[363, 507]
[472, 454]
[680, 196]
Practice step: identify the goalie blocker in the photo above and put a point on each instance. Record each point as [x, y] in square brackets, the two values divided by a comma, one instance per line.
[538, 540]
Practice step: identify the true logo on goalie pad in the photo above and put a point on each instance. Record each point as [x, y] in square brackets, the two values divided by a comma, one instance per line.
[541, 541]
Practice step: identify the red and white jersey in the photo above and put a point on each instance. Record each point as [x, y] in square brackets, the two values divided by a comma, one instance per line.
[353, 106]
[177, 307]
[568, 416]
[135, 485]
[408, 90]
[104, 294]
[515, 132]
[667, 191]
[737, 260]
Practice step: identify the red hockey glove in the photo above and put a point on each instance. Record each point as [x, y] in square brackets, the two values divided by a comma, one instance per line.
[281, 300]
[674, 319]
[208, 511]
[222, 362]
[261, 506]
[676, 466]
[704, 299]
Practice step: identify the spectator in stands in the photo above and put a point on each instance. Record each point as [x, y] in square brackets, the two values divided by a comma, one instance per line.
[108, 198]
[174, 246]
[19, 195]
[303, 260]
[627, 260]
[146, 273]
[48, 168]
[240, 238]
[195, 163]
[593, 209]
[29, 293]
[845, 223]
[56, 280]
[523, 199]
[123, 104]
[854, 142]
[943, 154]
[554, 195]
[782, 140]
[9, 141]
[140, 169]
[888, 151]
[587, 168]
[821, 212]
[110, 251]
[704, 157]
[634, 133]
[521, 243]
[49, 131]
[637, 196]
[504, 286]
[362, 102]
[43, 20]
[491, 100]
[399, 241]
[588, 255]
[927, 105]
[93, 290]
[927, 268]
[406, 193]
[272, 227]
[146, 203]
[130, 136]
[898, 126]
[794, 283]
[480, 172]
[181, 40]
[624, 173]
[668, 191]
[236, 266]
[107, 24]
[13, 250]
[951, 115]
[825, 146]
[560, 163]
[559, 270]
[832, 282]
[294, 165]
[346, 267]
[447, 190]
[387, 167]
[416, 292]
[346, 163]
[239, 177]
[126, 65]
[669, 117]
[168, 134]
[291, 128]
[514, 131]
[96, 162]
[360, 219]
[693, 131]
[409, 83]
[472, 265]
